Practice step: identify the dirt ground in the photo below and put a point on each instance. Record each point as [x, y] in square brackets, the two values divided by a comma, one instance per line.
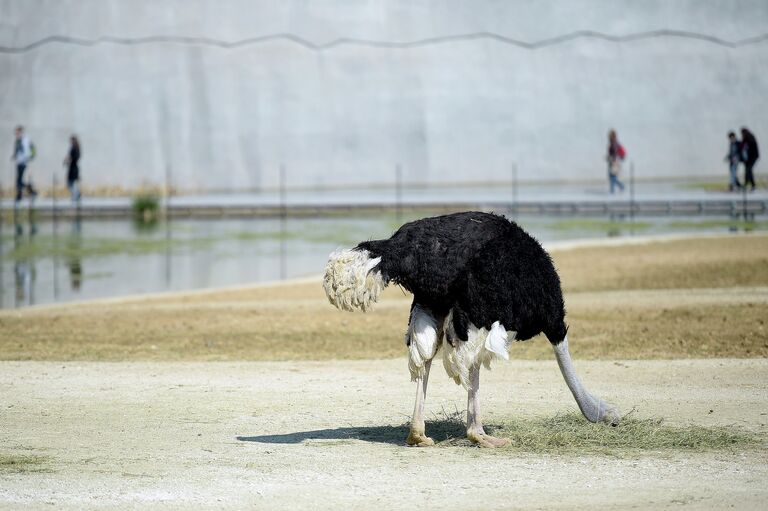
[328, 435]
[239, 398]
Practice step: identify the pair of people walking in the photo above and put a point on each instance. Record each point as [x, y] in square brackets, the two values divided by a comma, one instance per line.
[24, 152]
[743, 151]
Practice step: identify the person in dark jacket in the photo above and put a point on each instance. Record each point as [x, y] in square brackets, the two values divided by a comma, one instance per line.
[73, 171]
[733, 158]
[749, 155]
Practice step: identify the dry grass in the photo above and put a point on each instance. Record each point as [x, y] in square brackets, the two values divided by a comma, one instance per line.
[569, 433]
[22, 464]
[566, 434]
[694, 263]
[641, 301]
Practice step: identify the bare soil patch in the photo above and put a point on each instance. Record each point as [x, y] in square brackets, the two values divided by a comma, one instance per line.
[329, 435]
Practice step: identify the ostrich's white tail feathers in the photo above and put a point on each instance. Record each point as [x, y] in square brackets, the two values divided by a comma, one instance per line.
[497, 341]
[422, 340]
[481, 347]
[349, 282]
[591, 406]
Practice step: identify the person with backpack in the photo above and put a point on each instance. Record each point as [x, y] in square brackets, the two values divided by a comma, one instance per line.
[749, 155]
[23, 153]
[616, 154]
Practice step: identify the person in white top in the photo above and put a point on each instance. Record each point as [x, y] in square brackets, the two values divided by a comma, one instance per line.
[22, 155]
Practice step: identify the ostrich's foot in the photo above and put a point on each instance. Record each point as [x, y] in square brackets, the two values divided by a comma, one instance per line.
[483, 440]
[419, 439]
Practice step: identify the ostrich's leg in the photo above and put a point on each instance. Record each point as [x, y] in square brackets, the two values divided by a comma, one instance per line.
[417, 435]
[475, 432]
[593, 408]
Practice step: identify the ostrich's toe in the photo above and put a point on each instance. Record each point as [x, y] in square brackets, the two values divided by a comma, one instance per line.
[416, 439]
[483, 440]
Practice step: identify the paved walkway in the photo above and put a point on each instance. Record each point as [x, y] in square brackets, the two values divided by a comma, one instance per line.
[648, 197]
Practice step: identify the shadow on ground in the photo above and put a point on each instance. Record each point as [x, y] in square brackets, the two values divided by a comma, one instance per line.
[440, 431]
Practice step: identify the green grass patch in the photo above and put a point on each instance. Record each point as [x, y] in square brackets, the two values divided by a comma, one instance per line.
[719, 186]
[76, 246]
[308, 234]
[73, 246]
[22, 464]
[146, 208]
[570, 433]
[741, 225]
[591, 224]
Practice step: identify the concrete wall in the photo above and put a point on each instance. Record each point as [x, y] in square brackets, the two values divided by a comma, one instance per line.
[455, 110]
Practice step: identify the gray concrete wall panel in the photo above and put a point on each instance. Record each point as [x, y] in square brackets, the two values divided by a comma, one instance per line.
[459, 109]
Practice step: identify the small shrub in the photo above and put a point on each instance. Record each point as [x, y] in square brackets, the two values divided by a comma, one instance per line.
[146, 208]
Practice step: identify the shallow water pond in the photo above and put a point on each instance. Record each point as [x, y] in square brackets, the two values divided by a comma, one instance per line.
[46, 262]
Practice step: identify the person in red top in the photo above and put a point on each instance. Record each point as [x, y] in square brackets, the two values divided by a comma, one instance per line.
[615, 156]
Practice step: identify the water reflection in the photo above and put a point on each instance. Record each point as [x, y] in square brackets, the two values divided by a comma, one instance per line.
[24, 270]
[614, 225]
[168, 264]
[283, 247]
[742, 221]
[47, 261]
[74, 249]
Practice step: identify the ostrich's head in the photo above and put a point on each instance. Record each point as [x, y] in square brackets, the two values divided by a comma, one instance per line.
[350, 281]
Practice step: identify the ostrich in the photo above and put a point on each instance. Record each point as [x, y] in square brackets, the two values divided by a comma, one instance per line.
[478, 281]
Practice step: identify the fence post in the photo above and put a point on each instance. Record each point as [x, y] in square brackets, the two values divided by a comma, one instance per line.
[54, 183]
[514, 188]
[399, 193]
[744, 199]
[631, 189]
[283, 223]
[283, 205]
[167, 190]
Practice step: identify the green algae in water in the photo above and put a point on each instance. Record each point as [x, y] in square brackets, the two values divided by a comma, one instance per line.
[741, 225]
[588, 224]
[69, 246]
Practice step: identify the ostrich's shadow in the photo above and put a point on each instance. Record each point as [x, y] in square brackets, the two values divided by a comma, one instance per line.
[441, 431]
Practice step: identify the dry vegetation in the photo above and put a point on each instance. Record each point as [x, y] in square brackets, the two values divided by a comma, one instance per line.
[704, 297]
[22, 463]
[569, 433]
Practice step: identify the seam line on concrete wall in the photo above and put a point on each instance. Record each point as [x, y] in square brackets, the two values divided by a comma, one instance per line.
[348, 41]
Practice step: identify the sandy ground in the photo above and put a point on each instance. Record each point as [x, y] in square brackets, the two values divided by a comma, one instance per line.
[322, 435]
[147, 411]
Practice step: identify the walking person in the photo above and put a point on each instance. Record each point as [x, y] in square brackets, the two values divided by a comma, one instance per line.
[749, 155]
[23, 153]
[733, 158]
[615, 156]
[73, 171]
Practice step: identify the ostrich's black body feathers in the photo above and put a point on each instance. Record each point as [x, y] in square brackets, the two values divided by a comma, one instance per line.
[482, 266]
